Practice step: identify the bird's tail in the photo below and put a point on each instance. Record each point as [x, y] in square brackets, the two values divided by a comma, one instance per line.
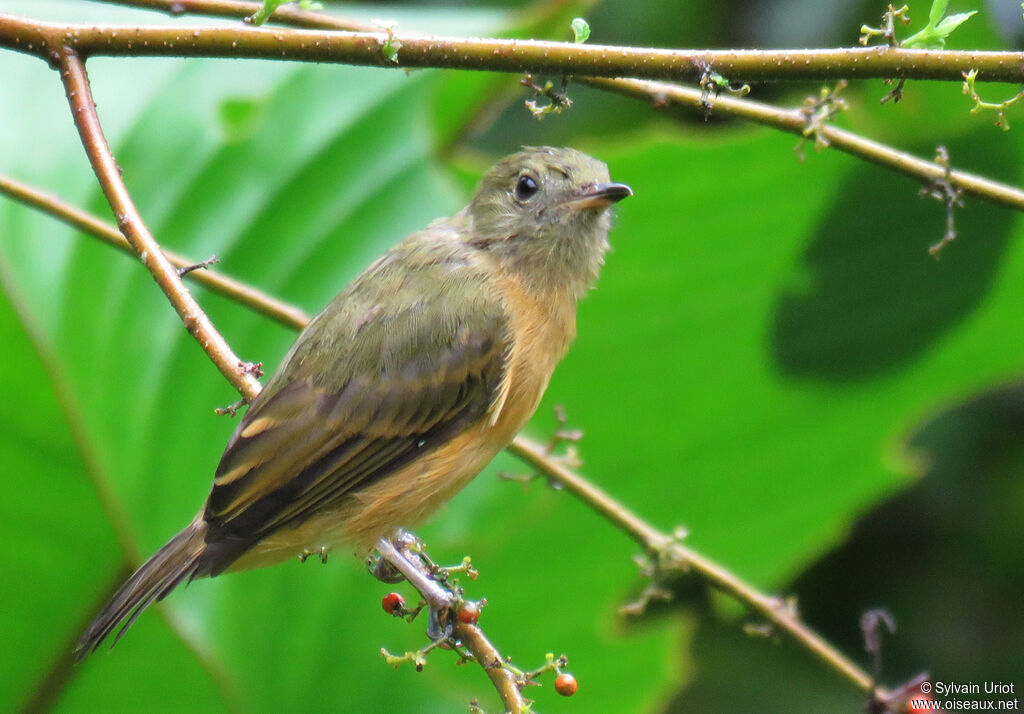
[176, 561]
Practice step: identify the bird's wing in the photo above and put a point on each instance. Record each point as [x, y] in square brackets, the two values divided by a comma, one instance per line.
[414, 360]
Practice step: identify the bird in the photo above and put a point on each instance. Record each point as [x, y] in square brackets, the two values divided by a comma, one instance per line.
[405, 386]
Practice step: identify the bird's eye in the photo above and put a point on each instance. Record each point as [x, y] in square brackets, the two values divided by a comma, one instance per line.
[526, 187]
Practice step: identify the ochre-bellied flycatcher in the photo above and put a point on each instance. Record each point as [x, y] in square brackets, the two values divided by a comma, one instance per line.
[406, 385]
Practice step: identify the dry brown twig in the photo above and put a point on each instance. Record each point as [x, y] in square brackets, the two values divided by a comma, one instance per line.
[944, 189]
[671, 554]
[674, 97]
[83, 110]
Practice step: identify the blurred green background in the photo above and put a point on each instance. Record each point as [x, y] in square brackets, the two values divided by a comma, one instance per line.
[771, 359]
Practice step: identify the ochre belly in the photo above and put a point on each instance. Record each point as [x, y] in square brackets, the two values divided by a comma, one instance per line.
[404, 499]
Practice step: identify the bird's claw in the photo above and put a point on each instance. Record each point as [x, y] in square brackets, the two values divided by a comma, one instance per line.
[321, 553]
[383, 570]
[439, 625]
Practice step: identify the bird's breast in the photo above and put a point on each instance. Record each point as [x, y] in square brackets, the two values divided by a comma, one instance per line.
[542, 328]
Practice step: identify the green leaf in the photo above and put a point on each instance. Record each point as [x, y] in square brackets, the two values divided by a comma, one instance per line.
[948, 24]
[936, 11]
[263, 14]
[580, 30]
[389, 49]
[270, 6]
[938, 29]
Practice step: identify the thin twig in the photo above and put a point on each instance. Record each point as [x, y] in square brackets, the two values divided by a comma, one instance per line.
[665, 95]
[263, 303]
[945, 190]
[38, 38]
[776, 611]
[83, 110]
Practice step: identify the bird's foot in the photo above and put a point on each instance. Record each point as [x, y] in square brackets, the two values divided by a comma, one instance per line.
[384, 570]
[321, 553]
[440, 626]
[398, 557]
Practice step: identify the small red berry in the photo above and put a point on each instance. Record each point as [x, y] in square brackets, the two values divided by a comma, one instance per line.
[565, 684]
[393, 603]
[469, 613]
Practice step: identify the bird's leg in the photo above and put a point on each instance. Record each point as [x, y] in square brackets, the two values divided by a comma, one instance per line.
[383, 570]
[439, 625]
[397, 557]
[381, 567]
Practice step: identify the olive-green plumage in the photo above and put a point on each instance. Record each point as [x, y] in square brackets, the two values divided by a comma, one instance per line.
[405, 385]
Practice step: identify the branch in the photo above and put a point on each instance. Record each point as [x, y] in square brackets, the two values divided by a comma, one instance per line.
[83, 109]
[43, 39]
[671, 553]
[488, 657]
[266, 305]
[792, 120]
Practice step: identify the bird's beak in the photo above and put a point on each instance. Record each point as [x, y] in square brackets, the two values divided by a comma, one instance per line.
[601, 195]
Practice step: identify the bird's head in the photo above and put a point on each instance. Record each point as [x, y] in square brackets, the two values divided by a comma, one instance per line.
[543, 212]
